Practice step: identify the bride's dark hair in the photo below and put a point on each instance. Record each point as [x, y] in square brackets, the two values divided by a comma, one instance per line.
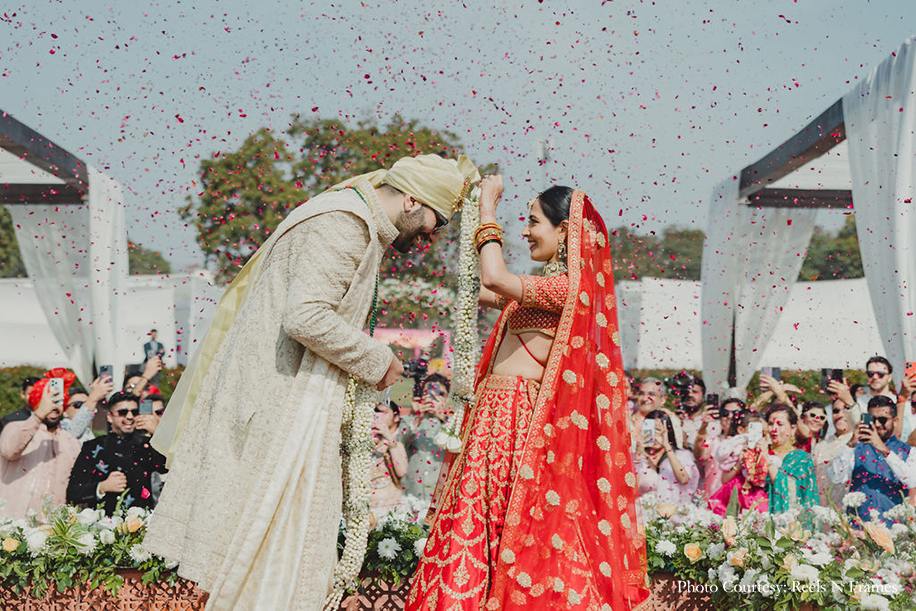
[555, 204]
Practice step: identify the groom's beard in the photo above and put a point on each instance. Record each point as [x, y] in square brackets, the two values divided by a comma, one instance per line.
[410, 225]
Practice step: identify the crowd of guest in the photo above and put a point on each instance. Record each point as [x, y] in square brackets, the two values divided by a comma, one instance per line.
[407, 459]
[778, 453]
[774, 454]
[50, 454]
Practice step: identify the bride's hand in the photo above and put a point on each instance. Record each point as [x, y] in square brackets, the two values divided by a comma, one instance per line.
[491, 189]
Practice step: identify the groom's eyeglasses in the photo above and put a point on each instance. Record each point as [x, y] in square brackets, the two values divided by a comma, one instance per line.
[441, 221]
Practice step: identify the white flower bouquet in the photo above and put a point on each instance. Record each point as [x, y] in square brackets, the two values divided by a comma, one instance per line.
[77, 546]
[760, 561]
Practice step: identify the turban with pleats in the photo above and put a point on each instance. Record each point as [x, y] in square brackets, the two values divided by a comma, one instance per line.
[441, 184]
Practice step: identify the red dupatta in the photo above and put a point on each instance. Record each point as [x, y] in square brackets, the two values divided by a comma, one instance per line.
[573, 538]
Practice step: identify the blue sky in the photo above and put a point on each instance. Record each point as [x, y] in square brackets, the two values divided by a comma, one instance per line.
[647, 104]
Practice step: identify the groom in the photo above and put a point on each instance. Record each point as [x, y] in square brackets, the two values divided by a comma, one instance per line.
[253, 501]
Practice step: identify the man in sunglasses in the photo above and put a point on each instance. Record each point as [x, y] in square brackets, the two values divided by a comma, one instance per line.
[82, 407]
[254, 425]
[875, 462]
[878, 376]
[120, 461]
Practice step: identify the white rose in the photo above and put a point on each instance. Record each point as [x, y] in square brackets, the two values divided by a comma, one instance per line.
[453, 444]
[87, 517]
[87, 543]
[107, 537]
[419, 545]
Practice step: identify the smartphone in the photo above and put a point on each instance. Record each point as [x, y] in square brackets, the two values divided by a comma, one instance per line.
[712, 400]
[106, 371]
[754, 433]
[56, 386]
[867, 419]
[146, 407]
[773, 372]
[828, 375]
[648, 431]
[909, 368]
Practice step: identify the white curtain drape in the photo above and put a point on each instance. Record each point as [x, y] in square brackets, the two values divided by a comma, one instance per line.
[719, 277]
[76, 255]
[751, 259]
[880, 118]
[108, 270]
[771, 252]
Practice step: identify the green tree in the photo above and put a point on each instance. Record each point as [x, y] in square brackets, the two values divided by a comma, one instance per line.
[246, 193]
[682, 253]
[143, 261]
[244, 196]
[11, 265]
[833, 256]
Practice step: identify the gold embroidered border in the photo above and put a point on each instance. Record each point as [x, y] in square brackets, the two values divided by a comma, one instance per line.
[552, 369]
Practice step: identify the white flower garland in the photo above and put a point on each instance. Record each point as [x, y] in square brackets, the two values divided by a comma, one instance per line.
[357, 447]
[464, 340]
[359, 411]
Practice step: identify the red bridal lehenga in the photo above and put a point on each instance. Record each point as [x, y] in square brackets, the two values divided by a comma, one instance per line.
[538, 511]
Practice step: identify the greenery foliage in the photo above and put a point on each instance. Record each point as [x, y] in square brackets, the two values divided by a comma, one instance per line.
[11, 384]
[73, 547]
[143, 261]
[833, 256]
[760, 561]
[246, 193]
[11, 265]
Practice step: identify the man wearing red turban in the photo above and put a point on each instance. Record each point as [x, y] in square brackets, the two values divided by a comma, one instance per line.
[36, 455]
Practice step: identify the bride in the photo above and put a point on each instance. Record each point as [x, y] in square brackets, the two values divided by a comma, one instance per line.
[539, 506]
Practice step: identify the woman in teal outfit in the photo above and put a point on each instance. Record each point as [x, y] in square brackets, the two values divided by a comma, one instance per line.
[791, 480]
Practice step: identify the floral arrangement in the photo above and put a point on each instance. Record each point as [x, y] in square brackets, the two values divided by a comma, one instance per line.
[760, 561]
[464, 341]
[396, 542]
[356, 447]
[74, 547]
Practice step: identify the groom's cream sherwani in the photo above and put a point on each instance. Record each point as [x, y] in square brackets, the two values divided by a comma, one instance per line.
[253, 499]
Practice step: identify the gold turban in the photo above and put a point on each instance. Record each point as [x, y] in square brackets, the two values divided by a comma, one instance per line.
[441, 184]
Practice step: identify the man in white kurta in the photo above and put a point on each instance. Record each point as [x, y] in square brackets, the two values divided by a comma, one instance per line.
[253, 501]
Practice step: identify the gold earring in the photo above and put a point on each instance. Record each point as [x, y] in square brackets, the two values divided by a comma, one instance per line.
[561, 250]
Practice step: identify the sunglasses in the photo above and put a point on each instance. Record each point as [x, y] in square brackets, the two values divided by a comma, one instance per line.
[159, 412]
[871, 374]
[441, 222]
[124, 412]
[816, 416]
[730, 413]
[77, 404]
[883, 419]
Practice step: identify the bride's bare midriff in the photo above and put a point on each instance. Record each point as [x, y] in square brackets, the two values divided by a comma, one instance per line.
[513, 360]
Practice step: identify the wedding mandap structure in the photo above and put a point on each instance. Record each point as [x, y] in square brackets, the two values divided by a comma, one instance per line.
[859, 154]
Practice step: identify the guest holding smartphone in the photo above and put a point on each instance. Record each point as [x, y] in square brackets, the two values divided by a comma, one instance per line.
[662, 467]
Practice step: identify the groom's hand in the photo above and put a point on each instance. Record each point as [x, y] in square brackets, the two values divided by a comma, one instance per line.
[395, 369]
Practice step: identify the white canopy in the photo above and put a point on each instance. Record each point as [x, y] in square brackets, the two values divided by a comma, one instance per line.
[752, 255]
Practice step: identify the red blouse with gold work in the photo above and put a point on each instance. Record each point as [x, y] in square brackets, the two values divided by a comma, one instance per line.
[541, 305]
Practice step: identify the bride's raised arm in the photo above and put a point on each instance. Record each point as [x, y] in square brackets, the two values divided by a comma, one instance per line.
[495, 278]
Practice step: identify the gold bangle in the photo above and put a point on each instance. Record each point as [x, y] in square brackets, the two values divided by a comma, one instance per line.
[486, 226]
[487, 236]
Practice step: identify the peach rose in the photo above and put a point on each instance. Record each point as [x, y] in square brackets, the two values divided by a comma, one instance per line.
[880, 535]
[693, 552]
[665, 510]
[730, 531]
[132, 524]
[10, 544]
[789, 562]
[738, 557]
